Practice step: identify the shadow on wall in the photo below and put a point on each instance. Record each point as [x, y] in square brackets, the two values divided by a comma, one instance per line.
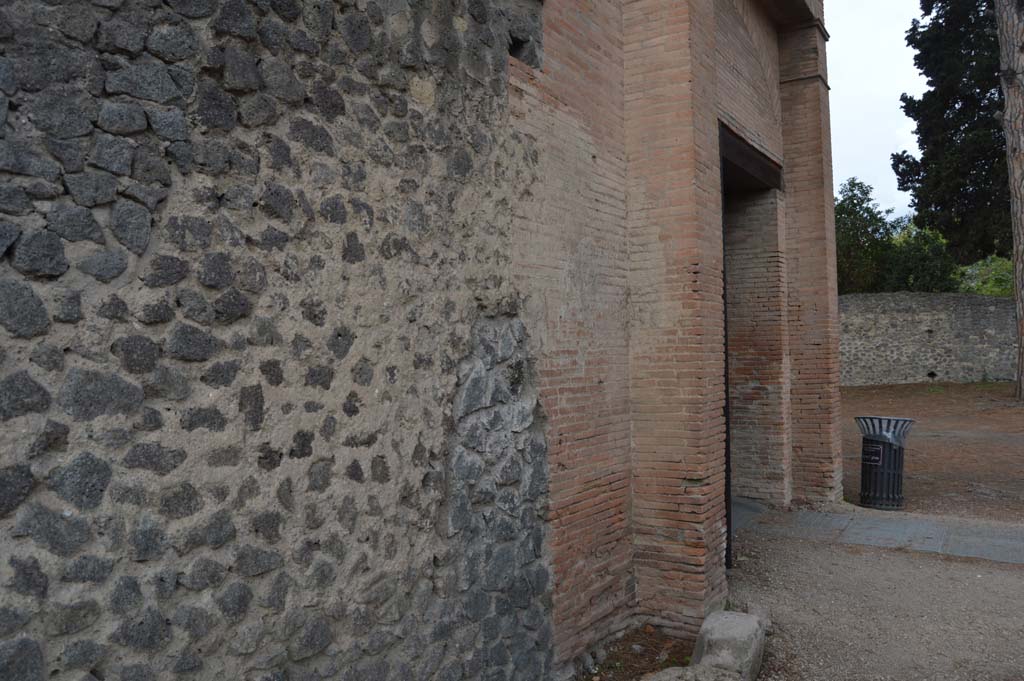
[892, 338]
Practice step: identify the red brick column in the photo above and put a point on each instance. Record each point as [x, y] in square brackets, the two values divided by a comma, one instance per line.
[813, 302]
[676, 337]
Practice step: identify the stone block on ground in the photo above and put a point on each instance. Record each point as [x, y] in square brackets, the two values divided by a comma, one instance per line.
[733, 641]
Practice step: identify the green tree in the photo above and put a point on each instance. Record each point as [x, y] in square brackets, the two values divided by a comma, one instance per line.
[862, 233]
[877, 253]
[959, 184]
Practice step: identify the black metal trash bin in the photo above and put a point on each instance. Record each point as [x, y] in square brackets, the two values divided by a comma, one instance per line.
[881, 461]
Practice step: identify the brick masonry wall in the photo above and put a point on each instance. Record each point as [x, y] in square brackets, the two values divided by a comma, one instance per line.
[625, 297]
[570, 259]
[891, 338]
[758, 346]
[668, 313]
[267, 404]
[747, 74]
[676, 338]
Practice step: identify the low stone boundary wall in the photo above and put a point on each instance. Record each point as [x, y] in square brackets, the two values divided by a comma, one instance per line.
[890, 338]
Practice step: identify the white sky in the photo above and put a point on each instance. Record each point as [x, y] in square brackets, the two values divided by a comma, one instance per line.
[870, 66]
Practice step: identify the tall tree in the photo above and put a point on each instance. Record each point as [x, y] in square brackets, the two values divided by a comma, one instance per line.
[863, 230]
[959, 184]
[1009, 16]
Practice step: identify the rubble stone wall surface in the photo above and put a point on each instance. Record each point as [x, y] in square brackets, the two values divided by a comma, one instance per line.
[892, 338]
[267, 405]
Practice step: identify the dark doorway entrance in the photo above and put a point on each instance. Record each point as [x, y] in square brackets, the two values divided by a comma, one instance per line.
[755, 322]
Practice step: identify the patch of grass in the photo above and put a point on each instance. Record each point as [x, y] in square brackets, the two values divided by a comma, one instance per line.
[671, 662]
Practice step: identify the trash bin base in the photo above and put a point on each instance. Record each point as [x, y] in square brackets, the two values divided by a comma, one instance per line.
[881, 505]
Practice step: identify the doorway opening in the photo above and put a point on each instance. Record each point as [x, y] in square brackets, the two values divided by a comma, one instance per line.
[757, 366]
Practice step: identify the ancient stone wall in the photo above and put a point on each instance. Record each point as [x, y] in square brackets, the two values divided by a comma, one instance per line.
[892, 338]
[267, 405]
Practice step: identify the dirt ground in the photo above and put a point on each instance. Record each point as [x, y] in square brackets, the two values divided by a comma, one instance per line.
[849, 613]
[965, 455]
[638, 653]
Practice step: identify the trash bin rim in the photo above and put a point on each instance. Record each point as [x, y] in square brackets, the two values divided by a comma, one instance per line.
[892, 429]
[890, 418]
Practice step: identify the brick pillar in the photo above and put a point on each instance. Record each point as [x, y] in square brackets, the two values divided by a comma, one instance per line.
[813, 302]
[568, 257]
[759, 363]
[676, 337]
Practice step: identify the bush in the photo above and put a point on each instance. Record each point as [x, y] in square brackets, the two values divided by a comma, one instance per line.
[992, 276]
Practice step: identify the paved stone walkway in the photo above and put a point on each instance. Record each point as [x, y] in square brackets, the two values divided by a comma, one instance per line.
[1000, 542]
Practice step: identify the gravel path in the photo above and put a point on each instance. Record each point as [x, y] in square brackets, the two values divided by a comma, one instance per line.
[855, 613]
[847, 524]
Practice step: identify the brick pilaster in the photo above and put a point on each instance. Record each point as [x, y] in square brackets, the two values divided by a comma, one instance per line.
[813, 301]
[676, 359]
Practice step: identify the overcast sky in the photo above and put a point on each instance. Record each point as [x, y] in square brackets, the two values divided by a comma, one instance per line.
[870, 66]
